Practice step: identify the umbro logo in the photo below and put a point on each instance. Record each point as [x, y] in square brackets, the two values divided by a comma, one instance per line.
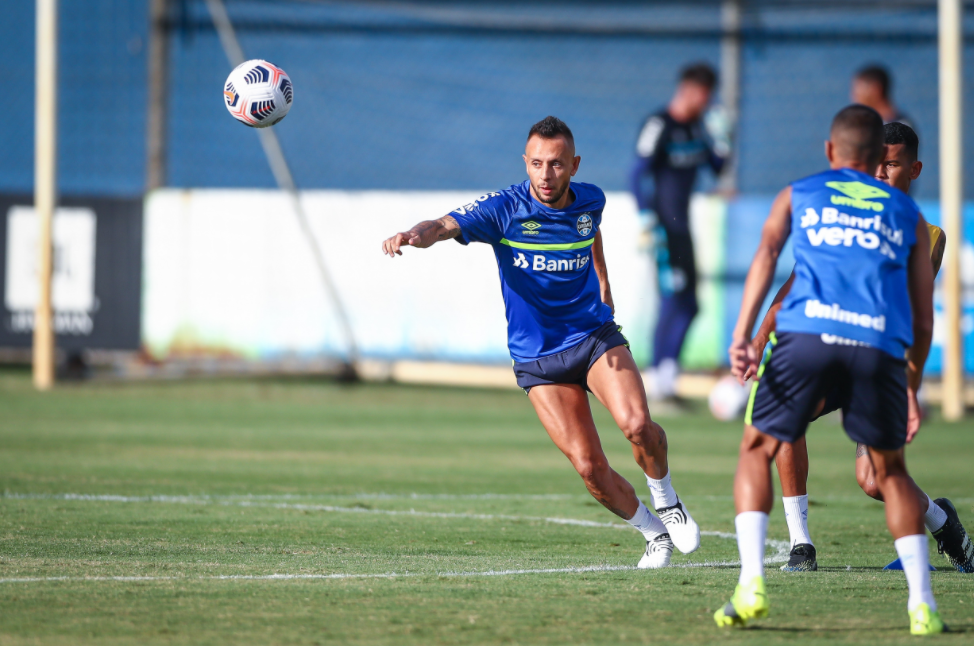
[531, 228]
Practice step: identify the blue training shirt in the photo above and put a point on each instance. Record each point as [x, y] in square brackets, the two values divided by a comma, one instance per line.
[852, 235]
[551, 292]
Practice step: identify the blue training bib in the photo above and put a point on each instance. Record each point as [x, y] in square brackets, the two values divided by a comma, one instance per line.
[852, 239]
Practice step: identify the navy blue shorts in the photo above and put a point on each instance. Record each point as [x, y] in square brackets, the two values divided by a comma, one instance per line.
[833, 402]
[798, 370]
[570, 366]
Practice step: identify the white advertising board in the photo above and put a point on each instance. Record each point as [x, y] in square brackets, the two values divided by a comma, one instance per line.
[73, 280]
[229, 271]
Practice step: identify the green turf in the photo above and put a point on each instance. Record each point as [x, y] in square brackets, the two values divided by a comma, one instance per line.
[267, 475]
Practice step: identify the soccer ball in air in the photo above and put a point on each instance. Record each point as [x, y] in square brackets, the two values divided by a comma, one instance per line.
[258, 94]
[728, 399]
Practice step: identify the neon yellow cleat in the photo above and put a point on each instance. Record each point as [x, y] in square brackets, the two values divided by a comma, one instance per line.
[750, 602]
[924, 621]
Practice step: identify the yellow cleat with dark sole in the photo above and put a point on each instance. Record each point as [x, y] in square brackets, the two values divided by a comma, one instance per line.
[924, 621]
[750, 602]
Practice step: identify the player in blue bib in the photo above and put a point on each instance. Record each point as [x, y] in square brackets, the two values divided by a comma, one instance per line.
[564, 342]
[861, 301]
[899, 169]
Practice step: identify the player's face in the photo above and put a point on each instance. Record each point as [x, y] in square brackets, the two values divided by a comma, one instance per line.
[866, 93]
[898, 169]
[696, 98]
[550, 164]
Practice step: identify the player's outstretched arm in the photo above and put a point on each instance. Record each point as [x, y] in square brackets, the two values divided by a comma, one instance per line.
[423, 235]
[773, 237]
[598, 263]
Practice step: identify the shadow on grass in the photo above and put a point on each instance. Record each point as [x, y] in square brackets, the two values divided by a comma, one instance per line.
[952, 629]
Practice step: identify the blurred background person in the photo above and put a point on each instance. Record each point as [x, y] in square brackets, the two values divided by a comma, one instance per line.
[672, 145]
[873, 86]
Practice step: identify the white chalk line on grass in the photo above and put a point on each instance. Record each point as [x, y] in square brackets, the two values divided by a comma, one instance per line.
[781, 548]
[345, 576]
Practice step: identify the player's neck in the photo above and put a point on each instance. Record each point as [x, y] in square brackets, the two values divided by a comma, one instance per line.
[853, 165]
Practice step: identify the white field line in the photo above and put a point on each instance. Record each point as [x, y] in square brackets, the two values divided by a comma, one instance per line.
[781, 548]
[326, 577]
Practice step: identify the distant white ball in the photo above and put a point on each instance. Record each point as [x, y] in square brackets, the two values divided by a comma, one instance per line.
[258, 94]
[728, 399]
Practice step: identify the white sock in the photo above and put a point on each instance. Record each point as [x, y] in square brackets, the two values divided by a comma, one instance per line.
[796, 513]
[666, 373]
[912, 551]
[649, 525]
[935, 517]
[752, 527]
[663, 493]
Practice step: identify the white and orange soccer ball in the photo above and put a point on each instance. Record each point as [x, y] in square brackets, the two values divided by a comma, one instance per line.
[258, 94]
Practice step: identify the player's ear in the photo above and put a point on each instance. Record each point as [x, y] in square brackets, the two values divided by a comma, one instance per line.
[915, 169]
[575, 162]
[829, 150]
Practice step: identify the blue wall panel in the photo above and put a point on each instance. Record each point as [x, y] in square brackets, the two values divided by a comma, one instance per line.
[404, 111]
[102, 94]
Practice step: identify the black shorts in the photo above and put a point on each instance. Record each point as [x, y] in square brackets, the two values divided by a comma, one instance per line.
[570, 366]
[800, 369]
[833, 402]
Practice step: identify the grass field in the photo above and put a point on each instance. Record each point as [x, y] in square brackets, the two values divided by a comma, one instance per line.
[158, 513]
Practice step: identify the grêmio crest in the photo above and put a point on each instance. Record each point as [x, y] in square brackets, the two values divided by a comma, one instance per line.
[584, 224]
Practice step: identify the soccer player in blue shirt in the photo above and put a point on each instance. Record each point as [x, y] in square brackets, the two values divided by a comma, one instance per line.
[561, 334]
[861, 301]
[899, 169]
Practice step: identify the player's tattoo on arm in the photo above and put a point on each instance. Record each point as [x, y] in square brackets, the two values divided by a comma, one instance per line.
[429, 232]
[861, 450]
[451, 228]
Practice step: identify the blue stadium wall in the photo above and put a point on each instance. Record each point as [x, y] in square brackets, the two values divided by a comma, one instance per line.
[383, 103]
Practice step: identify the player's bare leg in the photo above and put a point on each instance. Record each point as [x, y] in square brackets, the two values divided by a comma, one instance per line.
[939, 516]
[616, 382]
[904, 517]
[792, 463]
[565, 413]
[753, 498]
[753, 490]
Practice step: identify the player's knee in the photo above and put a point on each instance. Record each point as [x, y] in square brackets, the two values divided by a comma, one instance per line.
[593, 470]
[755, 442]
[639, 429]
[867, 482]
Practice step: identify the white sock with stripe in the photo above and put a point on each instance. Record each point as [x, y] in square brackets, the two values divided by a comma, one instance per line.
[664, 495]
[796, 514]
[645, 522]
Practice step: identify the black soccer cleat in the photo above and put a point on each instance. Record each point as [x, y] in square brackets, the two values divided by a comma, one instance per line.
[952, 539]
[802, 559]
